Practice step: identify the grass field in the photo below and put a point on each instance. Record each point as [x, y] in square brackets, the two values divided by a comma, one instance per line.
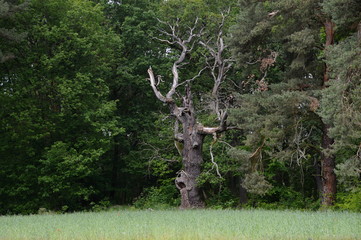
[193, 224]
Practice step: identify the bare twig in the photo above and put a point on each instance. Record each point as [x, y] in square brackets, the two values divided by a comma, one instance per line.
[212, 157]
[193, 78]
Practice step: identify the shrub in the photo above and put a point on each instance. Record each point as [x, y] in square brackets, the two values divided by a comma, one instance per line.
[163, 197]
[349, 201]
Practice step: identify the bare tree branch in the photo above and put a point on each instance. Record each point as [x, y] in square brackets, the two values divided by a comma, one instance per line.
[212, 157]
[153, 84]
[183, 44]
[176, 39]
[165, 40]
[220, 65]
[221, 128]
[193, 78]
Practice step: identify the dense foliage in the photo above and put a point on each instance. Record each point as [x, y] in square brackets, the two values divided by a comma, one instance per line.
[80, 127]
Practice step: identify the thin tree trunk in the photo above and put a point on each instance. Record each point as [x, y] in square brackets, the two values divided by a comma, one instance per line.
[115, 194]
[318, 179]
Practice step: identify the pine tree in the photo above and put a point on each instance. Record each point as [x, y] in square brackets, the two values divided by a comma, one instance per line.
[280, 45]
[340, 104]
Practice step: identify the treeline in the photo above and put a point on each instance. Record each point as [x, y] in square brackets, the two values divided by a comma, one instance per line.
[82, 128]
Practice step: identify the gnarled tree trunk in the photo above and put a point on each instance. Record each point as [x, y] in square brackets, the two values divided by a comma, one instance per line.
[193, 133]
[186, 181]
[192, 155]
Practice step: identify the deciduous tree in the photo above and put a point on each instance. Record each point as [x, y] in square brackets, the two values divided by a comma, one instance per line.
[181, 105]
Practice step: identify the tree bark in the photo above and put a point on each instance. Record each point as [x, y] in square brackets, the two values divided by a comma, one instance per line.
[328, 174]
[186, 182]
[327, 159]
[330, 32]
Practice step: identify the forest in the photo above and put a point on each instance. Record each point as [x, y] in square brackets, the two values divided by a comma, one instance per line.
[162, 104]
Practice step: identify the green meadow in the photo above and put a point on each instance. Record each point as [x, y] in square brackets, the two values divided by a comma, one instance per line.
[191, 224]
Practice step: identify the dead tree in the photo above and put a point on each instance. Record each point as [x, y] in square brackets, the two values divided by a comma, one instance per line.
[192, 133]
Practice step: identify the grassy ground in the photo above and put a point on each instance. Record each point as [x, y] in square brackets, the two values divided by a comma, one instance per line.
[193, 224]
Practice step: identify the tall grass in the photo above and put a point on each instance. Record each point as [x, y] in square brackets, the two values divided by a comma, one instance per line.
[193, 224]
